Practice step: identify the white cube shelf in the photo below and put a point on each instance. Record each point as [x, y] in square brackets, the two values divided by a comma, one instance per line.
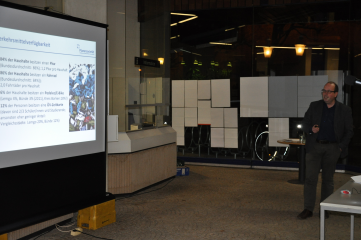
[178, 93]
[190, 93]
[217, 137]
[204, 112]
[221, 93]
[254, 97]
[204, 89]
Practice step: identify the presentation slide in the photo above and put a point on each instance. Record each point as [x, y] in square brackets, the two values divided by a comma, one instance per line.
[47, 90]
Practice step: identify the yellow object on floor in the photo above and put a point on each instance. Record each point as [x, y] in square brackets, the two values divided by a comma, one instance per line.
[4, 237]
[97, 216]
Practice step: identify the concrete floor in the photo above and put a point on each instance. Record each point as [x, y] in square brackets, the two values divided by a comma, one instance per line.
[221, 203]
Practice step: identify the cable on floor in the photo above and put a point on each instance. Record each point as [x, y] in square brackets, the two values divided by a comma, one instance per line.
[56, 226]
[67, 225]
[62, 230]
[137, 194]
[91, 235]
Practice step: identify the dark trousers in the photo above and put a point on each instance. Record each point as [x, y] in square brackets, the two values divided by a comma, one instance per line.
[323, 156]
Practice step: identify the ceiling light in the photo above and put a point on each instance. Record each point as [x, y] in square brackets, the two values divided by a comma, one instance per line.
[183, 63]
[173, 37]
[332, 48]
[242, 26]
[216, 64]
[317, 48]
[285, 47]
[190, 52]
[173, 24]
[200, 63]
[267, 52]
[276, 47]
[229, 64]
[182, 14]
[188, 19]
[300, 48]
[220, 43]
[161, 61]
[357, 82]
[145, 52]
[195, 62]
[229, 29]
[212, 63]
[299, 126]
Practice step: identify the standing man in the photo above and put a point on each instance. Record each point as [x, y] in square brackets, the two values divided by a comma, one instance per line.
[328, 125]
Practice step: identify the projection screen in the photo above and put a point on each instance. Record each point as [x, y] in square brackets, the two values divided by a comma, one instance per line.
[52, 88]
[52, 115]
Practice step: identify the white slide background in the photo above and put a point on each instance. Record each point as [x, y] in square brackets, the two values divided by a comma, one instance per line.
[35, 83]
[36, 142]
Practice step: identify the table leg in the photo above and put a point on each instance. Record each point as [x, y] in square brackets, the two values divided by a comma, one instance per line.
[301, 168]
[322, 224]
[352, 225]
[302, 165]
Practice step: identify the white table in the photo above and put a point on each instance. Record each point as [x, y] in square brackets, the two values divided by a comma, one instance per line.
[350, 203]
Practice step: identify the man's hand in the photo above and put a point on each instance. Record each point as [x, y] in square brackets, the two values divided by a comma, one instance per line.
[315, 129]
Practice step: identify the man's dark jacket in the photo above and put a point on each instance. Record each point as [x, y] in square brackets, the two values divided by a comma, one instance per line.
[343, 125]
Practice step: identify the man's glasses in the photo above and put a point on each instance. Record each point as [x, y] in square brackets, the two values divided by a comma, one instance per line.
[327, 91]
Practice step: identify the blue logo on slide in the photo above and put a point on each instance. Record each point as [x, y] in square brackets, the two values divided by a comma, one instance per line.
[82, 51]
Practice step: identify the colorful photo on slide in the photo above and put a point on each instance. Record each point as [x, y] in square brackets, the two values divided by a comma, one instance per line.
[81, 97]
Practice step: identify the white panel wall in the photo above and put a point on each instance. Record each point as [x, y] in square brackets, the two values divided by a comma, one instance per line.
[217, 119]
[116, 36]
[231, 137]
[93, 10]
[204, 112]
[217, 137]
[116, 65]
[177, 117]
[309, 90]
[178, 124]
[150, 91]
[158, 90]
[204, 89]
[132, 41]
[191, 119]
[278, 130]
[230, 118]
[254, 97]
[282, 96]
[221, 92]
[190, 93]
[178, 93]
[39, 3]
[112, 128]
